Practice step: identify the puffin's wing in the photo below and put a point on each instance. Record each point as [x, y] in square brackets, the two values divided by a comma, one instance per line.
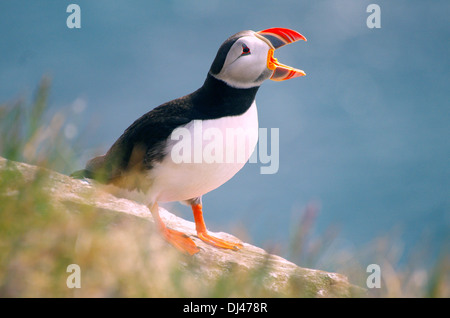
[141, 145]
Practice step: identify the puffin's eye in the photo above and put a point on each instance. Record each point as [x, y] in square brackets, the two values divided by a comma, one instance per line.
[245, 50]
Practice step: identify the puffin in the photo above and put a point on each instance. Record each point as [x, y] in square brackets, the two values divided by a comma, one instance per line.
[189, 146]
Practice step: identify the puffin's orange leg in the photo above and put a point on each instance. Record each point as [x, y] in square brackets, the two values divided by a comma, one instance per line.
[202, 233]
[178, 239]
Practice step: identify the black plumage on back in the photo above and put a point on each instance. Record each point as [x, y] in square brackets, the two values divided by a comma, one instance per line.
[143, 143]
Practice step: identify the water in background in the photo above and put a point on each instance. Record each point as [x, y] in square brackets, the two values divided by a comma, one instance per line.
[364, 134]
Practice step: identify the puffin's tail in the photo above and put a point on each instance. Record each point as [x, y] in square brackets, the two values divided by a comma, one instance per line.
[95, 169]
[81, 174]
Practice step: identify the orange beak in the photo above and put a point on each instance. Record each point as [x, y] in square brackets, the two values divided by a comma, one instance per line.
[276, 38]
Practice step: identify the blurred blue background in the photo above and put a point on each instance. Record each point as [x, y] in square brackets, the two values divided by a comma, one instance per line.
[365, 135]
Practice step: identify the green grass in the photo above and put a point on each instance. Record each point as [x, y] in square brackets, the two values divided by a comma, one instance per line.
[119, 255]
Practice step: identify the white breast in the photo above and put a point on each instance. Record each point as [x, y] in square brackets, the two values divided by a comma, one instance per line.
[219, 148]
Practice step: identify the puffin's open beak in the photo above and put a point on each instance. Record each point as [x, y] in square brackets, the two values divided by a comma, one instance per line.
[276, 38]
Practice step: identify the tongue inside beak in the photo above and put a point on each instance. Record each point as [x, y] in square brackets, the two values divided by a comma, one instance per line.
[276, 38]
[281, 72]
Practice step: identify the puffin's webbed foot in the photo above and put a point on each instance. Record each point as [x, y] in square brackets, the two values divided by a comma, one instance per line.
[202, 233]
[178, 239]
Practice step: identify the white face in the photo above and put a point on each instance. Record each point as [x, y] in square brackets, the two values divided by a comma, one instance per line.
[246, 63]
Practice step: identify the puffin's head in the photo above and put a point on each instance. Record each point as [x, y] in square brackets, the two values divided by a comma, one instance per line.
[246, 59]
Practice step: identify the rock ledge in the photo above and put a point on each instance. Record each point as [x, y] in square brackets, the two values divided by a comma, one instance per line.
[279, 274]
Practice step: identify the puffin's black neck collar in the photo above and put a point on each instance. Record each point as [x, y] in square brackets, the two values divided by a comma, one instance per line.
[217, 99]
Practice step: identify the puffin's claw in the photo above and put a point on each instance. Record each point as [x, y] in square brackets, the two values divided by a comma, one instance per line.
[214, 241]
[181, 241]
